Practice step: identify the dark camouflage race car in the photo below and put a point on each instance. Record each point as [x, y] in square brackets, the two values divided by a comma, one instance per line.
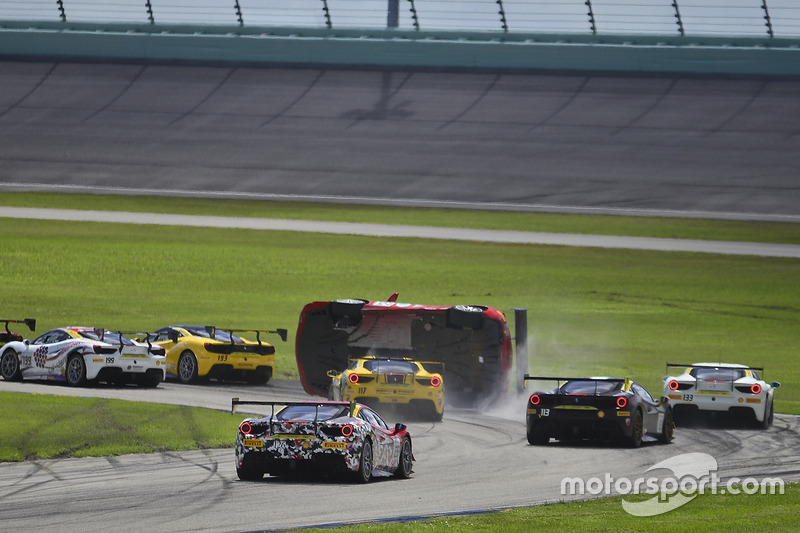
[608, 409]
[324, 437]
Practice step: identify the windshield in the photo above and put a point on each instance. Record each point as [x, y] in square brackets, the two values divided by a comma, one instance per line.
[109, 336]
[391, 367]
[591, 387]
[718, 374]
[307, 413]
[220, 335]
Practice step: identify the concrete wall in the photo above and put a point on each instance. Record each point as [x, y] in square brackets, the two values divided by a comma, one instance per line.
[394, 48]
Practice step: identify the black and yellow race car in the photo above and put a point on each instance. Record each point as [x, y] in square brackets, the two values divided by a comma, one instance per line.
[604, 408]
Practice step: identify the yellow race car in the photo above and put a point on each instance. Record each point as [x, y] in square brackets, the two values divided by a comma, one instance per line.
[375, 380]
[204, 352]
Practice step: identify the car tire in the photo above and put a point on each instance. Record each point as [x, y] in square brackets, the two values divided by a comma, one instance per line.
[364, 474]
[248, 473]
[259, 376]
[9, 366]
[537, 438]
[637, 430]
[346, 312]
[465, 316]
[406, 462]
[187, 367]
[76, 371]
[668, 429]
[768, 416]
[149, 382]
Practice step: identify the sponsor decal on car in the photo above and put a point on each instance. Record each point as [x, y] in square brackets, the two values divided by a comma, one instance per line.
[254, 443]
[334, 445]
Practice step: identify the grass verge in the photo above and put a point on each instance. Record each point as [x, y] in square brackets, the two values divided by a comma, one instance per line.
[38, 426]
[706, 513]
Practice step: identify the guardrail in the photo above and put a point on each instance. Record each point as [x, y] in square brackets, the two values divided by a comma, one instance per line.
[754, 18]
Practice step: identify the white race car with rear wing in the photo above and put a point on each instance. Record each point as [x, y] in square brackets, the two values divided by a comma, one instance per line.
[720, 387]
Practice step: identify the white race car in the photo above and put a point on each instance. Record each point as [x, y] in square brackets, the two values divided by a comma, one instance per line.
[721, 387]
[78, 355]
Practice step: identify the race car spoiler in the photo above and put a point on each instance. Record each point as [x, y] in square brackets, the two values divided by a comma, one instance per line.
[711, 365]
[236, 401]
[101, 333]
[527, 378]
[30, 322]
[283, 333]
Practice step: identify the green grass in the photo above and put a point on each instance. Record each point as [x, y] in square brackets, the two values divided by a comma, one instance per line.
[706, 513]
[724, 230]
[596, 311]
[37, 426]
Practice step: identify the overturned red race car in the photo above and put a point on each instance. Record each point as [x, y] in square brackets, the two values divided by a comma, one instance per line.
[470, 344]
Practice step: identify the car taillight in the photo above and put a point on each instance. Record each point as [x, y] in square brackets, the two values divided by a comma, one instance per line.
[622, 402]
[673, 385]
[435, 381]
[353, 378]
[245, 427]
[535, 399]
[347, 430]
[755, 388]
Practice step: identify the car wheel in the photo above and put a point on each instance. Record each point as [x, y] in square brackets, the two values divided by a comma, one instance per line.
[248, 473]
[768, 416]
[668, 430]
[346, 312]
[187, 367]
[364, 473]
[465, 316]
[149, 382]
[537, 438]
[260, 376]
[404, 468]
[76, 371]
[637, 430]
[9, 366]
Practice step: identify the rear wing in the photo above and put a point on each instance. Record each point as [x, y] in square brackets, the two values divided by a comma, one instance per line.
[281, 332]
[30, 322]
[236, 402]
[560, 380]
[145, 339]
[679, 365]
[429, 366]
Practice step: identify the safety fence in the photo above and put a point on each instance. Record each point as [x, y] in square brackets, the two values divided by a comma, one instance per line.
[746, 18]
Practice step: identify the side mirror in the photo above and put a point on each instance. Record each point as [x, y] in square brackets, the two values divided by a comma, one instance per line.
[173, 336]
[332, 373]
[664, 399]
[775, 384]
[399, 427]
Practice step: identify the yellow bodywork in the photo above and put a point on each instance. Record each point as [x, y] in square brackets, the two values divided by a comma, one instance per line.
[207, 360]
[386, 380]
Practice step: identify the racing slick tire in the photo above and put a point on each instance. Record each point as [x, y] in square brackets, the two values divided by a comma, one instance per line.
[346, 312]
[364, 474]
[668, 430]
[9, 366]
[187, 367]
[76, 371]
[769, 414]
[247, 473]
[406, 463]
[537, 438]
[466, 316]
[259, 376]
[637, 430]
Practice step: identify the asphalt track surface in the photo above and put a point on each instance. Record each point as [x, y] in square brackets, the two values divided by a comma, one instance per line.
[474, 460]
[660, 145]
[665, 146]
